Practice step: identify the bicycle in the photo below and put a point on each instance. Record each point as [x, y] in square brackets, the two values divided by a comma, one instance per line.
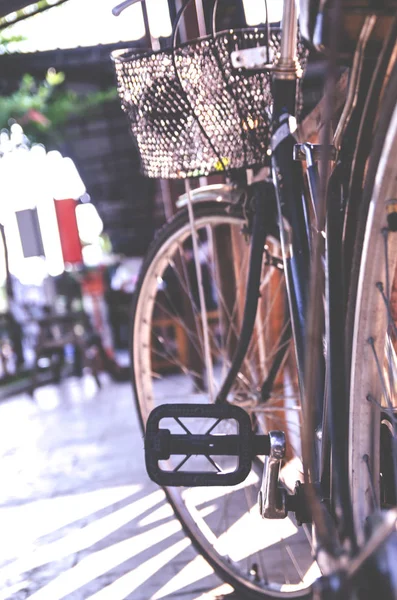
[304, 347]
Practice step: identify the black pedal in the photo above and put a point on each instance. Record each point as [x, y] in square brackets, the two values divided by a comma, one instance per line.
[161, 444]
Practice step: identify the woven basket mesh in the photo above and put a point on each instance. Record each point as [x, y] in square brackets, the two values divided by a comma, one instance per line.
[191, 112]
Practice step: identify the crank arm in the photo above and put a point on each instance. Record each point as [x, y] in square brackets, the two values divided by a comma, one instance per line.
[161, 444]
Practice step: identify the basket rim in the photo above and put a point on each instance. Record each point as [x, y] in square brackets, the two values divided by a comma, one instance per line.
[121, 55]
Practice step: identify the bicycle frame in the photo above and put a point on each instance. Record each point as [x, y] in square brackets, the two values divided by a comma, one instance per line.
[312, 227]
[298, 236]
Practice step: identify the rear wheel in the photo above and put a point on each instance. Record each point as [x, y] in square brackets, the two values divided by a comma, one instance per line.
[265, 559]
[373, 384]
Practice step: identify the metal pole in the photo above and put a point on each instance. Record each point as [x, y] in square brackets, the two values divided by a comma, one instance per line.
[203, 308]
[202, 28]
[182, 25]
[166, 196]
[201, 18]
[285, 66]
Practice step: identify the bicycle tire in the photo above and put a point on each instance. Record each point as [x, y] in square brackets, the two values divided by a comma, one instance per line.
[371, 340]
[161, 254]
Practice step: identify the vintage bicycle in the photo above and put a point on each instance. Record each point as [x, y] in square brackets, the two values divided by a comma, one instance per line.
[264, 323]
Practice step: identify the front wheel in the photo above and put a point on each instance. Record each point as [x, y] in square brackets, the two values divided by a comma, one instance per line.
[170, 364]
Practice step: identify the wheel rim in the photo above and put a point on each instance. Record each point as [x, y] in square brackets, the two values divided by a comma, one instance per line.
[373, 373]
[263, 556]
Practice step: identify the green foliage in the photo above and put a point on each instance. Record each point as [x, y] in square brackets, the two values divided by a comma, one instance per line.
[43, 108]
[70, 103]
[29, 11]
[6, 40]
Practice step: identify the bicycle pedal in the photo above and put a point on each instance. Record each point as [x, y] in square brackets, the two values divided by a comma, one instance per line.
[161, 444]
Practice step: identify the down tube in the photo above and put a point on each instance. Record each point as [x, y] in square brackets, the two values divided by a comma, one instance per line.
[288, 181]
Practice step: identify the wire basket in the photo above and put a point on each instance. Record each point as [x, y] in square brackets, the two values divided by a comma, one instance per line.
[191, 112]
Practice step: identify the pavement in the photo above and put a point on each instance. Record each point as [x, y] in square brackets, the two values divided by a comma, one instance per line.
[79, 518]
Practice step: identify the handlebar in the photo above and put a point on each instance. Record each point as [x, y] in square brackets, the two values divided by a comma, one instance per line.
[117, 10]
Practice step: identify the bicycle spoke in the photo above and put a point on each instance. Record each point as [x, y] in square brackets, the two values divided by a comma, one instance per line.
[371, 342]
[294, 561]
[265, 322]
[391, 323]
[173, 316]
[386, 298]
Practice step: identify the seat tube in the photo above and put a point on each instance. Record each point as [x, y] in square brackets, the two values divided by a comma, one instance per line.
[288, 181]
[286, 62]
